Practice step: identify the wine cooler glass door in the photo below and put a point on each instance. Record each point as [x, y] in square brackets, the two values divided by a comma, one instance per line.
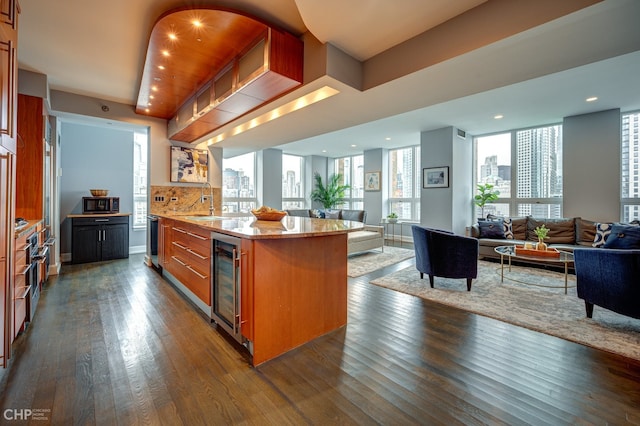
[226, 285]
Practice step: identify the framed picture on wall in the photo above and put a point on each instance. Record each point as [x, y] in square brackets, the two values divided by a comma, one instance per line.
[372, 181]
[435, 177]
[189, 165]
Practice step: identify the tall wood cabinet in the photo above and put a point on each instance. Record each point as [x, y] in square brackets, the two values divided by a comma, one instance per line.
[30, 177]
[8, 89]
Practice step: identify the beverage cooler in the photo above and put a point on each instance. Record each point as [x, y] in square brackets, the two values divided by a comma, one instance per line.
[225, 306]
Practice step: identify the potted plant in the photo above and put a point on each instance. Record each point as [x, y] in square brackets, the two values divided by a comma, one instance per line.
[486, 194]
[393, 217]
[330, 195]
[541, 232]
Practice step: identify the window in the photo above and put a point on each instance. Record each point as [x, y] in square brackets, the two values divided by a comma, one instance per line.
[493, 154]
[404, 183]
[537, 178]
[239, 184]
[630, 196]
[293, 196]
[539, 171]
[352, 171]
[139, 180]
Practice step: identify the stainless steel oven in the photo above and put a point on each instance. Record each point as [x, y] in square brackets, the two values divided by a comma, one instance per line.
[33, 278]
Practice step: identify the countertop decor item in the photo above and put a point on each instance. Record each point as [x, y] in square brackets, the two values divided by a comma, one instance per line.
[99, 192]
[268, 213]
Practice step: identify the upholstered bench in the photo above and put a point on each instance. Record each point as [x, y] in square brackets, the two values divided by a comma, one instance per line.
[369, 238]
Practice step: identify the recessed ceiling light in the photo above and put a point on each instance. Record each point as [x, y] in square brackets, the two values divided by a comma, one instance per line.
[387, 139]
[154, 88]
[353, 146]
[172, 36]
[592, 99]
[324, 150]
[165, 53]
[498, 116]
[196, 23]
[161, 67]
[151, 97]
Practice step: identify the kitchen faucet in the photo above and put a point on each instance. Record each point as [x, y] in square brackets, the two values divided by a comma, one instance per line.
[211, 209]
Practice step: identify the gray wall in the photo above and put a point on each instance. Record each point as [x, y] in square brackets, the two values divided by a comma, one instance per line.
[375, 202]
[269, 179]
[446, 208]
[591, 165]
[95, 157]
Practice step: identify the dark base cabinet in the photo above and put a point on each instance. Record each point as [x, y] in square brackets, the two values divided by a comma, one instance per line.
[98, 238]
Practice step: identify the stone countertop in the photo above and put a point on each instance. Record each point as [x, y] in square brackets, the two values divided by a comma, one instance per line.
[27, 228]
[288, 227]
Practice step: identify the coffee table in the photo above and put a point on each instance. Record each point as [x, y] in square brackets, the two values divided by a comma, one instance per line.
[510, 252]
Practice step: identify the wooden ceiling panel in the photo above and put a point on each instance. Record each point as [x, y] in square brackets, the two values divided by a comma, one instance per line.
[188, 47]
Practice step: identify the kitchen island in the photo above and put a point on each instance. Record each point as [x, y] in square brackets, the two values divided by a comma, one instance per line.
[272, 286]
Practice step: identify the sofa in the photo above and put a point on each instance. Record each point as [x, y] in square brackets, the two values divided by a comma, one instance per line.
[609, 278]
[564, 234]
[369, 238]
[443, 254]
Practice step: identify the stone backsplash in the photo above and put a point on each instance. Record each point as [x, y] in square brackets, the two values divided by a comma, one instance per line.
[183, 199]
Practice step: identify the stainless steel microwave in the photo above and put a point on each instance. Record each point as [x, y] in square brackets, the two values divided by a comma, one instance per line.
[100, 205]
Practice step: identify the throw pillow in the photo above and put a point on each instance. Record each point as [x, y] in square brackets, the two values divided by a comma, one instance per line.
[508, 228]
[507, 224]
[318, 214]
[602, 232]
[491, 229]
[332, 214]
[623, 237]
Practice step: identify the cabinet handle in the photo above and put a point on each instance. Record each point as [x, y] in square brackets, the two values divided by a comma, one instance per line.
[200, 237]
[180, 230]
[179, 245]
[179, 261]
[101, 220]
[99, 235]
[104, 235]
[26, 269]
[198, 255]
[204, 277]
[26, 292]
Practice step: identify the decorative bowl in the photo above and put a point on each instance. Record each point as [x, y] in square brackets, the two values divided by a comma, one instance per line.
[272, 215]
[99, 192]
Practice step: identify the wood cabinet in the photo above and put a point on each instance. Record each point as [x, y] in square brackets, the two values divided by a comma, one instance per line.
[7, 185]
[8, 88]
[21, 282]
[98, 238]
[30, 157]
[187, 256]
[8, 72]
[269, 67]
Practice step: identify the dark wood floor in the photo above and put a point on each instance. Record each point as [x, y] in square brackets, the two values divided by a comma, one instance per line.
[112, 343]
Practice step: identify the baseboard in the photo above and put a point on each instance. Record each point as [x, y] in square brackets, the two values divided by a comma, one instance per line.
[137, 249]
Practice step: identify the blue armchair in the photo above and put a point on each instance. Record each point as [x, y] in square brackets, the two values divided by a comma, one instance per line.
[444, 254]
[609, 278]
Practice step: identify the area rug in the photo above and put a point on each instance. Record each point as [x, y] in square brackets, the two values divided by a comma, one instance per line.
[547, 310]
[362, 263]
